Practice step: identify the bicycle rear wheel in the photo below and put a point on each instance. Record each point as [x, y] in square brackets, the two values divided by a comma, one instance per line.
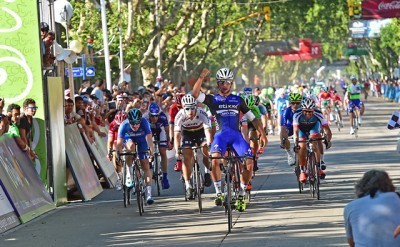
[228, 200]
[198, 185]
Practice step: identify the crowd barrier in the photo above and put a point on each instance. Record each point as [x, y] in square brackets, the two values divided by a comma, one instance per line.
[24, 196]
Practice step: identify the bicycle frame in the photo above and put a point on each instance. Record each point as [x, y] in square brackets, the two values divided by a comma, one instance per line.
[157, 177]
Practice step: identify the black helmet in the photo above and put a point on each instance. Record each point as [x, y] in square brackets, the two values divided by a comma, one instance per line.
[134, 116]
[44, 27]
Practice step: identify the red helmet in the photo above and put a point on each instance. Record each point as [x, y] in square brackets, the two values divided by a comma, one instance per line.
[178, 99]
[120, 117]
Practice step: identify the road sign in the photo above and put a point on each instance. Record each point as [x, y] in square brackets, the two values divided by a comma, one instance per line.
[90, 71]
[78, 72]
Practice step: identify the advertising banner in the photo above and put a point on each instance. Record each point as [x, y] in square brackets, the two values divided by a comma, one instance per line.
[23, 186]
[276, 47]
[20, 67]
[81, 165]
[307, 51]
[379, 9]
[106, 166]
[367, 28]
[8, 217]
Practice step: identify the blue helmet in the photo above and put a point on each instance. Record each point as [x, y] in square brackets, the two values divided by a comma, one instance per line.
[154, 109]
[247, 90]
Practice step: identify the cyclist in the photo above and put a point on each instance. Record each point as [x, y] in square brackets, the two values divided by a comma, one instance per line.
[287, 125]
[280, 103]
[263, 111]
[337, 101]
[307, 122]
[325, 100]
[226, 109]
[136, 129]
[354, 94]
[249, 132]
[266, 98]
[192, 127]
[159, 128]
[112, 141]
[173, 110]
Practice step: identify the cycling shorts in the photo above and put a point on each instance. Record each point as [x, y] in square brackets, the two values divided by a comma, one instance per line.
[268, 107]
[160, 135]
[289, 129]
[315, 132]
[193, 138]
[354, 103]
[142, 146]
[230, 138]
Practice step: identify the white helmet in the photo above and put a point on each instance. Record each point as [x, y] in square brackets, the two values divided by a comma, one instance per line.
[308, 104]
[188, 100]
[224, 74]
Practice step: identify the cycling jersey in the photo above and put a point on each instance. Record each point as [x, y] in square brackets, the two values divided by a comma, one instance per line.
[308, 126]
[281, 104]
[263, 110]
[113, 131]
[173, 110]
[226, 112]
[128, 134]
[354, 91]
[183, 122]
[158, 128]
[287, 120]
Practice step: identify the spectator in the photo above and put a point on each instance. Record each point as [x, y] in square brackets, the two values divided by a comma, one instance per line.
[4, 124]
[2, 102]
[14, 110]
[98, 90]
[372, 218]
[85, 87]
[127, 74]
[26, 120]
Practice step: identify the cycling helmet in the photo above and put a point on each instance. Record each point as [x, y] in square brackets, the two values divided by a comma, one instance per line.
[154, 109]
[264, 92]
[353, 77]
[224, 74]
[178, 99]
[247, 90]
[295, 97]
[256, 99]
[308, 104]
[249, 100]
[188, 100]
[120, 117]
[325, 88]
[134, 116]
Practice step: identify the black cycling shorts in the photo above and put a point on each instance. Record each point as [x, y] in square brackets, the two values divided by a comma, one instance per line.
[192, 138]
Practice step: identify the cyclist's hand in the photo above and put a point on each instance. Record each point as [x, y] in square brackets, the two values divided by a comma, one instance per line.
[170, 146]
[328, 144]
[263, 141]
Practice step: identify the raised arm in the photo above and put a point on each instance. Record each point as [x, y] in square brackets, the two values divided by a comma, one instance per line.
[197, 86]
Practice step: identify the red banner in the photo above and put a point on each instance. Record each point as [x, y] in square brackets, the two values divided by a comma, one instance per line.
[307, 51]
[379, 9]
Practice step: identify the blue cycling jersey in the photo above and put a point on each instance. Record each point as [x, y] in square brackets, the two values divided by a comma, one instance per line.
[162, 121]
[226, 110]
[287, 118]
[126, 132]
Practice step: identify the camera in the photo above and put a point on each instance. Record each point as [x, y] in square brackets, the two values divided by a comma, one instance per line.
[112, 105]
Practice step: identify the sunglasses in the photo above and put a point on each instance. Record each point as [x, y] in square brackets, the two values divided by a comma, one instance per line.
[190, 108]
[33, 107]
[224, 82]
[152, 115]
[306, 111]
[295, 103]
[134, 122]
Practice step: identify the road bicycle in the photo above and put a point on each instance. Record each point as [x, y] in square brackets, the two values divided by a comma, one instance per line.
[312, 168]
[338, 120]
[232, 181]
[156, 163]
[196, 179]
[137, 180]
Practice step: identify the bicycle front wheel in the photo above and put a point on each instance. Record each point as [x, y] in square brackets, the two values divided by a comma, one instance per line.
[156, 173]
[125, 191]
[138, 190]
[197, 174]
[313, 176]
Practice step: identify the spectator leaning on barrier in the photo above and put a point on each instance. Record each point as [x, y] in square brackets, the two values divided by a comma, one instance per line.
[26, 120]
[372, 218]
[4, 124]
[71, 117]
[13, 111]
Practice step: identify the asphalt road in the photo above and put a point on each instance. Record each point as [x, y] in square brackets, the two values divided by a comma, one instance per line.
[277, 216]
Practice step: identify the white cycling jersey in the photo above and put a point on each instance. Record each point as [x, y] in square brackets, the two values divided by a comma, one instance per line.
[183, 122]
